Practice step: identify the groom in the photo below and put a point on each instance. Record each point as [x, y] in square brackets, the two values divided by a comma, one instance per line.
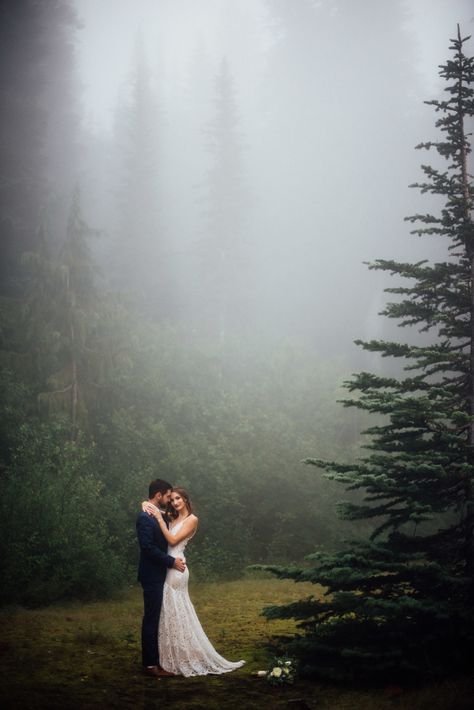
[154, 562]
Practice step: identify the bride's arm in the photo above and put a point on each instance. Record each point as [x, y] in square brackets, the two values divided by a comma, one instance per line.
[187, 529]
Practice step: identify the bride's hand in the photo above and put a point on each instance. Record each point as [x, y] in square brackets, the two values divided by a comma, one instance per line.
[151, 509]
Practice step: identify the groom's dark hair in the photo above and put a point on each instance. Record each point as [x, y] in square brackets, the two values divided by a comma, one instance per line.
[158, 486]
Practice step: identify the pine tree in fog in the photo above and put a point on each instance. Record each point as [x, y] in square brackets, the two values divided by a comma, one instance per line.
[67, 306]
[223, 248]
[139, 258]
[400, 603]
[39, 124]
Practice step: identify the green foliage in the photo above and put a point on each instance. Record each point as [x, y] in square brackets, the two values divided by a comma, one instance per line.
[400, 604]
[56, 542]
[230, 423]
[95, 399]
[232, 442]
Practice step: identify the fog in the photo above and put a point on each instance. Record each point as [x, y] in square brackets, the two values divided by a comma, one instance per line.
[241, 160]
[237, 163]
[278, 149]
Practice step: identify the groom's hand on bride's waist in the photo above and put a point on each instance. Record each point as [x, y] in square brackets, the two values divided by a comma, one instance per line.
[179, 564]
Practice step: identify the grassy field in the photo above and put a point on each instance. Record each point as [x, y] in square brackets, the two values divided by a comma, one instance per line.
[88, 656]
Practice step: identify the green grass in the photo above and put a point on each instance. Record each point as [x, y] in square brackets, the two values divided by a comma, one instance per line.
[88, 656]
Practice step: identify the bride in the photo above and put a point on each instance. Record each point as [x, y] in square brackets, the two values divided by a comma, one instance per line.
[184, 648]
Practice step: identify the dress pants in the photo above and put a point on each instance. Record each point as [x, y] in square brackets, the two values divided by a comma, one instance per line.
[152, 599]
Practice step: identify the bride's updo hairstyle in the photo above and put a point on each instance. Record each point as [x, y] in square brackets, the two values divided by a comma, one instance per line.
[187, 502]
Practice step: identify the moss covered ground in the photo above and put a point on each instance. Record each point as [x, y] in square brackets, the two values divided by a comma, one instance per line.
[88, 656]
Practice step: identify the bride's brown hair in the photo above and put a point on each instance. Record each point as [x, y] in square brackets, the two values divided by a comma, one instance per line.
[187, 501]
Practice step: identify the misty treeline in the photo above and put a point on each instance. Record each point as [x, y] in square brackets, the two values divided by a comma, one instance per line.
[113, 373]
[178, 295]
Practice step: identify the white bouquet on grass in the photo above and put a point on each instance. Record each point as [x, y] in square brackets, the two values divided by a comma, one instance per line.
[281, 671]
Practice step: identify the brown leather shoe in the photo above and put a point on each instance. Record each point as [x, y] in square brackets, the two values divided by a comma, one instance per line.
[162, 673]
[154, 671]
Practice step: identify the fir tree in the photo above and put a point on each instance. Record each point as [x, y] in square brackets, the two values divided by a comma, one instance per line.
[38, 149]
[400, 604]
[68, 308]
[223, 249]
[139, 260]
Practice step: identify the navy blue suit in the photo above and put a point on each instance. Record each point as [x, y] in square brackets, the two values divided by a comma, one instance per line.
[152, 568]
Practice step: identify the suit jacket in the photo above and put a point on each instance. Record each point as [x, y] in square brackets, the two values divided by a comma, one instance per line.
[154, 560]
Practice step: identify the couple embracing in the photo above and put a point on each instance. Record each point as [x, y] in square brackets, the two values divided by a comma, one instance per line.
[173, 640]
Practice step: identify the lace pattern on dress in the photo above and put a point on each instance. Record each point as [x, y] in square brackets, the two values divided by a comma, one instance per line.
[184, 648]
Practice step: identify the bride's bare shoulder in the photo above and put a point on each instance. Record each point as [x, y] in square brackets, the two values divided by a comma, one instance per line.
[191, 524]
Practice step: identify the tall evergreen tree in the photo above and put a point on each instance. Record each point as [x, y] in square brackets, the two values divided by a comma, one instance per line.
[401, 602]
[39, 124]
[223, 248]
[52, 353]
[69, 309]
[139, 259]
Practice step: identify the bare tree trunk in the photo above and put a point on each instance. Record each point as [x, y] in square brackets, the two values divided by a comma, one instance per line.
[74, 382]
[74, 386]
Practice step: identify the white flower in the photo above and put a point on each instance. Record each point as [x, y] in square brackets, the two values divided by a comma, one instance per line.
[276, 672]
[287, 663]
[261, 673]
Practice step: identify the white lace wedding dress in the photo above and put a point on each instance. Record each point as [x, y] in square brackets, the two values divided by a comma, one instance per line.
[184, 648]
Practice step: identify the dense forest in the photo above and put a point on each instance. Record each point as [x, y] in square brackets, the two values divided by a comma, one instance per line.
[180, 292]
[106, 380]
